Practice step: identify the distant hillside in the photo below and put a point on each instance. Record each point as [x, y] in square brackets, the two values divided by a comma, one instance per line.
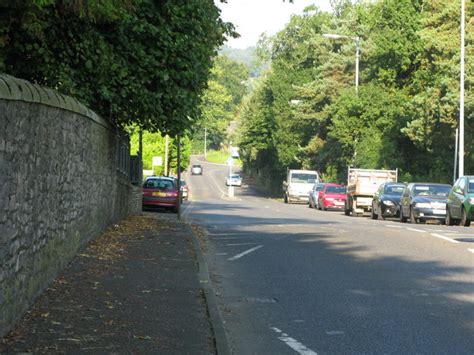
[246, 56]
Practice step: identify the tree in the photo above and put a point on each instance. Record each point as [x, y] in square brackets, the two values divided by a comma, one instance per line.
[132, 61]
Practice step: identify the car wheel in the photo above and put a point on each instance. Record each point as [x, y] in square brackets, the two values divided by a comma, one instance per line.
[464, 220]
[310, 203]
[373, 215]
[381, 214]
[412, 216]
[448, 219]
[403, 219]
[285, 199]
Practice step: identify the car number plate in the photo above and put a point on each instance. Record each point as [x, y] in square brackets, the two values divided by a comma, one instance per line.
[339, 203]
[160, 194]
[439, 211]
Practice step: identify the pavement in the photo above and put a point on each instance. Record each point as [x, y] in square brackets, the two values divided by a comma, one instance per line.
[141, 287]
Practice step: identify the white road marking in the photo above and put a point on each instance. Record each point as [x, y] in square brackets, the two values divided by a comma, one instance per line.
[260, 300]
[335, 332]
[221, 253]
[416, 230]
[444, 238]
[292, 343]
[471, 250]
[245, 253]
[235, 244]
[392, 226]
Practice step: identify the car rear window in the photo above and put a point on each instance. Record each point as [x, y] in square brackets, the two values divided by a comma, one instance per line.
[470, 187]
[336, 189]
[303, 178]
[431, 190]
[160, 184]
[394, 189]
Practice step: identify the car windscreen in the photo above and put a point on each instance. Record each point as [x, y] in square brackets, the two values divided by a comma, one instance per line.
[303, 178]
[160, 184]
[394, 189]
[336, 190]
[431, 190]
[235, 176]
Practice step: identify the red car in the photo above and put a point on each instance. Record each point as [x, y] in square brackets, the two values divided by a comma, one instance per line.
[332, 196]
[160, 191]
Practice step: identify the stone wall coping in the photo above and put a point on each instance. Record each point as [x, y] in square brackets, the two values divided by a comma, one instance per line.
[15, 89]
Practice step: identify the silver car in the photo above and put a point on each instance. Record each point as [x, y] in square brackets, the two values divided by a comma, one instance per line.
[233, 180]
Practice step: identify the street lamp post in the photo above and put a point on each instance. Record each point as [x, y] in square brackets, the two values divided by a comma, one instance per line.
[357, 41]
[461, 98]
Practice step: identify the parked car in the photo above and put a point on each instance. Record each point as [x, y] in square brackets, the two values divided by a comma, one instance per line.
[160, 191]
[233, 180]
[423, 201]
[314, 195]
[184, 190]
[386, 201]
[196, 169]
[460, 205]
[332, 196]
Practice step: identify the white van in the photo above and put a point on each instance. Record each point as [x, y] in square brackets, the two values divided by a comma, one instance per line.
[298, 184]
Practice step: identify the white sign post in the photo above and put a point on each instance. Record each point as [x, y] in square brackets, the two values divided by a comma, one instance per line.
[156, 161]
[230, 162]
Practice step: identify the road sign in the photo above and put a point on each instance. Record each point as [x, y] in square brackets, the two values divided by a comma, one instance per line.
[157, 161]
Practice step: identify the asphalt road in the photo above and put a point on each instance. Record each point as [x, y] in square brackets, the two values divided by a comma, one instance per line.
[290, 279]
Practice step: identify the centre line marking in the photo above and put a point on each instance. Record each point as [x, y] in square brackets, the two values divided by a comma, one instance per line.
[293, 343]
[393, 226]
[245, 253]
[416, 230]
[445, 238]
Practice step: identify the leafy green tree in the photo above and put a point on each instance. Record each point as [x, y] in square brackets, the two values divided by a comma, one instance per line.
[132, 61]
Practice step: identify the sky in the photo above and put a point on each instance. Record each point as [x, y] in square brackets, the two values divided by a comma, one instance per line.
[253, 17]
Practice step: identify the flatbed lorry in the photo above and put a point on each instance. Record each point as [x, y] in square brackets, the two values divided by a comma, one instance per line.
[361, 187]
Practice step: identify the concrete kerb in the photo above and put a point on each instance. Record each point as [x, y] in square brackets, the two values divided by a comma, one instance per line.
[217, 322]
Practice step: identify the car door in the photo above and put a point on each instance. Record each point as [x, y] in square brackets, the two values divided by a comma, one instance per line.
[457, 198]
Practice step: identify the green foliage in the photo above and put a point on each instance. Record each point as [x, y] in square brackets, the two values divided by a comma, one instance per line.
[153, 145]
[220, 103]
[306, 113]
[132, 61]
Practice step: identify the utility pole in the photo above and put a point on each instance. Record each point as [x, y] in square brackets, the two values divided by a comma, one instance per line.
[455, 155]
[140, 156]
[205, 142]
[166, 155]
[461, 99]
[179, 177]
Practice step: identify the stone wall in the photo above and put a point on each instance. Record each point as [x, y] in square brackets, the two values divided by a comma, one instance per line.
[61, 184]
